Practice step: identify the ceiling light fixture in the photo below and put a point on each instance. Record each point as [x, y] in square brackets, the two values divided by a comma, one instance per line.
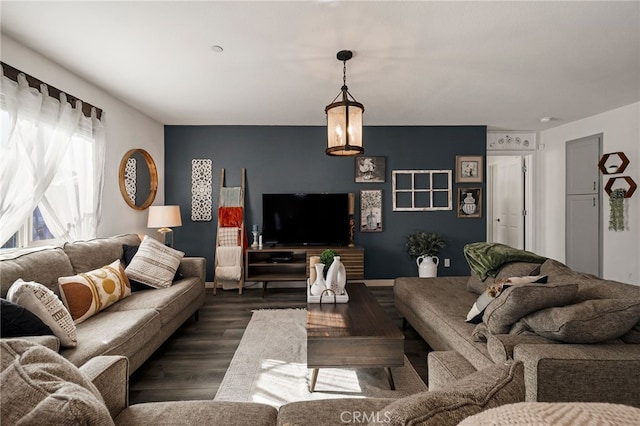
[344, 118]
[546, 119]
[217, 49]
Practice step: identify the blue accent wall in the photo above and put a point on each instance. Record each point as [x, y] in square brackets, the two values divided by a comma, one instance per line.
[292, 159]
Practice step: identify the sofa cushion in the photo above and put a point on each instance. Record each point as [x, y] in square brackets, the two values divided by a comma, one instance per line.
[43, 303]
[44, 267]
[632, 336]
[501, 346]
[93, 254]
[154, 264]
[18, 321]
[490, 387]
[168, 302]
[591, 321]
[556, 413]
[114, 333]
[40, 387]
[198, 413]
[519, 300]
[513, 269]
[88, 293]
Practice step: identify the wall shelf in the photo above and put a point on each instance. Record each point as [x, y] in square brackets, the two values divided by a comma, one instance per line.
[632, 186]
[613, 163]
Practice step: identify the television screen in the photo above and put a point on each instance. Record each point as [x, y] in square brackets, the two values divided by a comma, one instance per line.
[305, 219]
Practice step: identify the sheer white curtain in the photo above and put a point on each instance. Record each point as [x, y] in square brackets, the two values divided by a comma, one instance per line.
[71, 205]
[38, 140]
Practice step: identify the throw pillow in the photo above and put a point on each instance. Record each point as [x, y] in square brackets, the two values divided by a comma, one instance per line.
[86, 294]
[591, 321]
[18, 321]
[522, 299]
[477, 310]
[491, 387]
[40, 387]
[632, 336]
[128, 253]
[45, 305]
[228, 237]
[513, 269]
[154, 264]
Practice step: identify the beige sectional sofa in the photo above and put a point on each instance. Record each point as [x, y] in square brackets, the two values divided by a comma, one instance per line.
[133, 327]
[607, 371]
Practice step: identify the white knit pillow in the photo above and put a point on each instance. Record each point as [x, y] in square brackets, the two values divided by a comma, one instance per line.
[154, 264]
[44, 303]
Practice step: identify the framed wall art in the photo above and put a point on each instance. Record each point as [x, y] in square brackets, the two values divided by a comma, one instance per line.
[469, 169]
[370, 169]
[371, 210]
[470, 202]
[421, 190]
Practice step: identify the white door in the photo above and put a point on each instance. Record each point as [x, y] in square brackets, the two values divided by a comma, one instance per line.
[506, 193]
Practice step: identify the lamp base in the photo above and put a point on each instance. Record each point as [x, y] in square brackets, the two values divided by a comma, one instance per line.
[166, 236]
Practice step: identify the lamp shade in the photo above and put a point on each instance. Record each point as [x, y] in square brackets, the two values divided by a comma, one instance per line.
[164, 217]
[344, 128]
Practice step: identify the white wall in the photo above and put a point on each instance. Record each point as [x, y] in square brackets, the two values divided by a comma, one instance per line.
[126, 128]
[621, 132]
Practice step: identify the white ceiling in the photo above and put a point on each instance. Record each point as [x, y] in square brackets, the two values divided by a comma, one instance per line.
[502, 64]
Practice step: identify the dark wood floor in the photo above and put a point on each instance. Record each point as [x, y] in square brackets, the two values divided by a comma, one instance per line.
[191, 364]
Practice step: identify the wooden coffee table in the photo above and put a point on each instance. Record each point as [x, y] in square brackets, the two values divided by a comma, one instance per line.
[357, 334]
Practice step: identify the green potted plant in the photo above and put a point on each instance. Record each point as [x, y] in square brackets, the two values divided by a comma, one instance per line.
[326, 257]
[424, 247]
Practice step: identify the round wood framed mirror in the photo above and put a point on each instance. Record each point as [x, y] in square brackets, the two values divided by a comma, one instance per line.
[138, 179]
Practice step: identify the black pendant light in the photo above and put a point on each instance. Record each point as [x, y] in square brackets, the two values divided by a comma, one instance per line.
[344, 118]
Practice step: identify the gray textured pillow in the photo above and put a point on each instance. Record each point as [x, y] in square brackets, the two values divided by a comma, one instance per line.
[41, 387]
[491, 387]
[522, 299]
[154, 264]
[591, 321]
[512, 269]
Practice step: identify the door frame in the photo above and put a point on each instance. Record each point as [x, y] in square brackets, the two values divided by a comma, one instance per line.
[599, 191]
[529, 194]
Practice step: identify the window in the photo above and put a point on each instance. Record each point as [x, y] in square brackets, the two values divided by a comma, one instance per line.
[421, 190]
[51, 166]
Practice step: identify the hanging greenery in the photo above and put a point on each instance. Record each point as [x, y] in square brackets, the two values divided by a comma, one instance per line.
[616, 214]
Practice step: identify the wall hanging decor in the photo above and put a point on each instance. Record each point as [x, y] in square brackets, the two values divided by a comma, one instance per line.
[371, 210]
[469, 169]
[130, 178]
[370, 169]
[421, 190]
[470, 202]
[616, 210]
[201, 202]
[613, 163]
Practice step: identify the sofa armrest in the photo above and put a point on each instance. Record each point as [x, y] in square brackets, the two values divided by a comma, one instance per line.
[446, 367]
[193, 267]
[582, 373]
[500, 346]
[110, 374]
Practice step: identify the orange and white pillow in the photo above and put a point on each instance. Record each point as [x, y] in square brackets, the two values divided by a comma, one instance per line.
[86, 294]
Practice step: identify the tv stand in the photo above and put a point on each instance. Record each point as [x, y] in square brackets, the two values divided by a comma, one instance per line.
[261, 264]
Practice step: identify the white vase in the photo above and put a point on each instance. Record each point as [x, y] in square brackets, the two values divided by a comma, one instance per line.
[427, 266]
[319, 284]
[336, 276]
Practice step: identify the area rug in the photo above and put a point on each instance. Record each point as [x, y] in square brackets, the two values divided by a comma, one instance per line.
[270, 367]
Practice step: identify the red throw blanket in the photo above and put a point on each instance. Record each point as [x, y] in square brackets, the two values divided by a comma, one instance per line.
[233, 217]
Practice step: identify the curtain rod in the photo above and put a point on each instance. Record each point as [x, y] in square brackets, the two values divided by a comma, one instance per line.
[12, 73]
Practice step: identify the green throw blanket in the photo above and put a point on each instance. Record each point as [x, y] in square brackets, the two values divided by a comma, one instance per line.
[486, 259]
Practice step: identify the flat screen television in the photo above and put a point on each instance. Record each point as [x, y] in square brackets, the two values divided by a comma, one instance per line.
[305, 219]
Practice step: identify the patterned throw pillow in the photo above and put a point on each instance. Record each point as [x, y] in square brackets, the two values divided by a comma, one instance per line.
[86, 294]
[154, 264]
[228, 237]
[45, 305]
